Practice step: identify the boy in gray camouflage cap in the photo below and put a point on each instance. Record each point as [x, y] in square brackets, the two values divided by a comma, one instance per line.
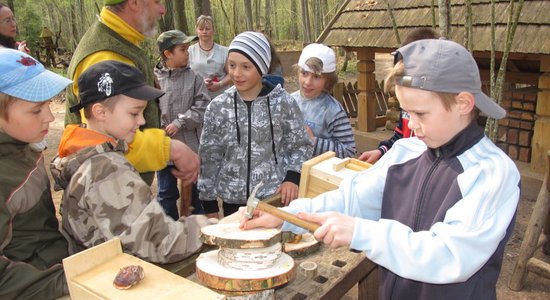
[182, 111]
[104, 195]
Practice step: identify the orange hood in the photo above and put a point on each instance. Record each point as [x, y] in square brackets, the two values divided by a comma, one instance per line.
[76, 138]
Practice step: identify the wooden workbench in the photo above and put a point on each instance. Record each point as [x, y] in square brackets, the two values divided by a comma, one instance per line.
[338, 270]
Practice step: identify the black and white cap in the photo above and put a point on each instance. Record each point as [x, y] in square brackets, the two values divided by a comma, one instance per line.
[110, 78]
[255, 47]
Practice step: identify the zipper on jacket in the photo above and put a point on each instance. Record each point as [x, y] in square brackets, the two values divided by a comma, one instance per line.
[423, 189]
[249, 151]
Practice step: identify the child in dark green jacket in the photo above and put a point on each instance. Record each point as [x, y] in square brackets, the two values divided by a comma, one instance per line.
[31, 246]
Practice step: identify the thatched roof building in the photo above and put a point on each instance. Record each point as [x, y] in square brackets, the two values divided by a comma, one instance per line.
[365, 26]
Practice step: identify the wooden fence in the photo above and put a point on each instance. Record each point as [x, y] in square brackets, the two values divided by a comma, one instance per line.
[347, 94]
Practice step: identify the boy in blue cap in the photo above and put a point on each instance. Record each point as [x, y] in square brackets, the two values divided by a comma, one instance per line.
[31, 246]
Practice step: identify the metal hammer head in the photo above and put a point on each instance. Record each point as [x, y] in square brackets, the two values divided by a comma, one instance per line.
[252, 202]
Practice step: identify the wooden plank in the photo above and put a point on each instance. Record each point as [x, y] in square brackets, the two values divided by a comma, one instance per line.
[339, 165]
[90, 275]
[541, 143]
[306, 167]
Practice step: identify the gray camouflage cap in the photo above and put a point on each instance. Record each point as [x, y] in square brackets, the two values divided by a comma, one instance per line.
[170, 38]
[445, 66]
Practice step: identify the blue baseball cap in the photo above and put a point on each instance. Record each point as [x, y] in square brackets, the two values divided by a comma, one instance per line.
[24, 77]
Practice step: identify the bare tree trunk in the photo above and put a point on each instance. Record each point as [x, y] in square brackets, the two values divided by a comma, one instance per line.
[180, 19]
[305, 20]
[324, 12]
[248, 14]
[317, 18]
[236, 17]
[346, 60]
[268, 29]
[167, 21]
[497, 85]
[445, 18]
[432, 8]
[468, 38]
[202, 7]
[393, 22]
[293, 25]
[257, 15]
[226, 16]
[74, 27]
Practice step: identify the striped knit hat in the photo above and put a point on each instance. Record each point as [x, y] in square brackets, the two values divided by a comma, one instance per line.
[255, 47]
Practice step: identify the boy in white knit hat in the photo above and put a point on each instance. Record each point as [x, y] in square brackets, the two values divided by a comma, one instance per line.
[252, 133]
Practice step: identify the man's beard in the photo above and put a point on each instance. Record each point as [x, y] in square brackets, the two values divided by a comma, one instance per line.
[148, 29]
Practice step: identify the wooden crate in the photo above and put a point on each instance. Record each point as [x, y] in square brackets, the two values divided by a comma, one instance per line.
[90, 275]
[324, 173]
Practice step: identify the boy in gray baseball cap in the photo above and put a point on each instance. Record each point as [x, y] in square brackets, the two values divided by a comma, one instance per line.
[440, 229]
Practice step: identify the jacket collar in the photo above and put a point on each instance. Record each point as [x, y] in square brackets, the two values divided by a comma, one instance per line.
[119, 26]
[463, 141]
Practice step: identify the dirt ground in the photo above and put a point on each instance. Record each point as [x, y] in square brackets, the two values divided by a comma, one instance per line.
[535, 287]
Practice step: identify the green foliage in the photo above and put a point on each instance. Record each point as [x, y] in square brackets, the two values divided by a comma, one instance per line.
[29, 25]
[73, 17]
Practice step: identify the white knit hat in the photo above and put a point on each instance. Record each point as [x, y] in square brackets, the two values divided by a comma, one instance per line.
[255, 47]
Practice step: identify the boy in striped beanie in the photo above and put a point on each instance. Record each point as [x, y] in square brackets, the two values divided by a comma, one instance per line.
[253, 133]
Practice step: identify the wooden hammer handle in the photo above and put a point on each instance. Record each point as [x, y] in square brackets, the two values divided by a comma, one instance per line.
[286, 216]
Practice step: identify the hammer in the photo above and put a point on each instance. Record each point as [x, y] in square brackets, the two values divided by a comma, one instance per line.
[254, 203]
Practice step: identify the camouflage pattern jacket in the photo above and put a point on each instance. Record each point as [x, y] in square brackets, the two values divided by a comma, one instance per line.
[105, 197]
[243, 144]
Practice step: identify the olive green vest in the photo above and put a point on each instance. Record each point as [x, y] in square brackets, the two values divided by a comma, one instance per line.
[101, 38]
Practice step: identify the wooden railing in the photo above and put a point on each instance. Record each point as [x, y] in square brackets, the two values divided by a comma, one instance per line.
[347, 94]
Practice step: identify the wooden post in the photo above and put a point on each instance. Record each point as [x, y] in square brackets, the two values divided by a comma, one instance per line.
[366, 111]
[541, 142]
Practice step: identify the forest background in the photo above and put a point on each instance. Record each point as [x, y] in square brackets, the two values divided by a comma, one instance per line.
[288, 23]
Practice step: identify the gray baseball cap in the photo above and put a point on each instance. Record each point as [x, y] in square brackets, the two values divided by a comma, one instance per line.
[170, 38]
[445, 66]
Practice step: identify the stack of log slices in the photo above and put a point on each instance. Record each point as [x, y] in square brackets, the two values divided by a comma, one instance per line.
[249, 263]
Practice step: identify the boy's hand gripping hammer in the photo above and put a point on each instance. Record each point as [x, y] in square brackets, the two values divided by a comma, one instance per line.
[254, 203]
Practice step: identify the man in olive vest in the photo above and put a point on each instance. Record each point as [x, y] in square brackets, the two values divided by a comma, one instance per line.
[122, 26]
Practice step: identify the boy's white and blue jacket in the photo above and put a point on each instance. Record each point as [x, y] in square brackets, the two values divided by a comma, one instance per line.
[435, 220]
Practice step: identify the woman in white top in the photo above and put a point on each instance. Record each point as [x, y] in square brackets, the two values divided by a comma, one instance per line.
[207, 58]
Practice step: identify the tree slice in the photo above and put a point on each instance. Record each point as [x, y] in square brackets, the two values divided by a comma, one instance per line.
[250, 259]
[306, 246]
[216, 276]
[229, 235]
[254, 295]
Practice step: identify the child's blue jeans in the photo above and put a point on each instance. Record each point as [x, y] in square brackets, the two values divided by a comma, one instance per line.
[168, 194]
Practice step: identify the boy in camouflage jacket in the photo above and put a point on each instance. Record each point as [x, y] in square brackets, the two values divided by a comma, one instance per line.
[104, 195]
